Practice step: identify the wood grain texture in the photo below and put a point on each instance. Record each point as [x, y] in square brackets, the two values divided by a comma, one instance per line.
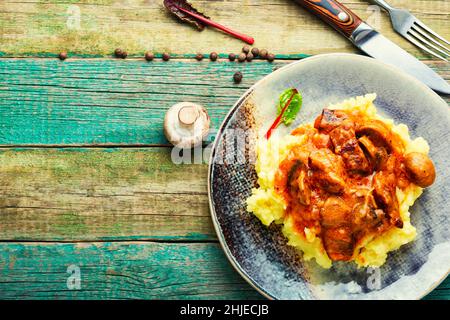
[120, 271]
[121, 194]
[116, 102]
[44, 28]
[102, 194]
[103, 101]
[126, 270]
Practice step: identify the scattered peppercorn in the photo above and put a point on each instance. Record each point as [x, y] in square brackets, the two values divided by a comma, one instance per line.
[118, 53]
[237, 77]
[213, 56]
[199, 57]
[270, 57]
[232, 57]
[246, 49]
[149, 56]
[255, 52]
[249, 57]
[166, 56]
[62, 55]
[263, 53]
[242, 57]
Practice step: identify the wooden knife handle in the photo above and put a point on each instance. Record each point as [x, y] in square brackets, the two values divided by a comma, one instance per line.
[334, 13]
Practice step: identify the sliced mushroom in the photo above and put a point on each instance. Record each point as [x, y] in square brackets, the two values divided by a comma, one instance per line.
[420, 169]
[304, 192]
[376, 155]
[379, 134]
[368, 146]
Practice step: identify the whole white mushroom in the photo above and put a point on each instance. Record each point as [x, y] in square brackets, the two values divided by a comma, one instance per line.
[186, 124]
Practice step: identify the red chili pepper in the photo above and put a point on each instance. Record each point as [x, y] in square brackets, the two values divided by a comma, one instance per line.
[277, 121]
[235, 34]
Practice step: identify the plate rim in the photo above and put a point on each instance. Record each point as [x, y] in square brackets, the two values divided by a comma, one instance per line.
[230, 113]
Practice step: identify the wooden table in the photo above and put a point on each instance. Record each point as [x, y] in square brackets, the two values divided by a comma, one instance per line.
[87, 187]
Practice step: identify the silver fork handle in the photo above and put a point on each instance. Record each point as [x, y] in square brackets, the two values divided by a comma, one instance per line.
[386, 6]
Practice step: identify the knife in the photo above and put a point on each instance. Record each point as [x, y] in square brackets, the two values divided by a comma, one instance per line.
[373, 43]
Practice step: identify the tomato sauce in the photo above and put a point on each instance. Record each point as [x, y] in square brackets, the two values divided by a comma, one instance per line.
[341, 183]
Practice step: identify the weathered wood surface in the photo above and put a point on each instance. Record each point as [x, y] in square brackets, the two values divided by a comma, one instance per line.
[106, 101]
[125, 270]
[72, 206]
[110, 194]
[119, 270]
[102, 194]
[82, 196]
[90, 27]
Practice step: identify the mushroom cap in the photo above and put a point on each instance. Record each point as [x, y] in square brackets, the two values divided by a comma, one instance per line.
[186, 124]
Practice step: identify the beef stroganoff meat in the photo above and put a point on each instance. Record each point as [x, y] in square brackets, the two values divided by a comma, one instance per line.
[347, 171]
[342, 186]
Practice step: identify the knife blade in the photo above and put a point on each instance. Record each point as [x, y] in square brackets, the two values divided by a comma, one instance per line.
[373, 43]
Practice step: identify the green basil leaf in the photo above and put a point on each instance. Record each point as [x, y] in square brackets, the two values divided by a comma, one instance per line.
[291, 112]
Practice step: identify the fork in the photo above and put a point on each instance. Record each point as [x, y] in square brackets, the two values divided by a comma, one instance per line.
[416, 31]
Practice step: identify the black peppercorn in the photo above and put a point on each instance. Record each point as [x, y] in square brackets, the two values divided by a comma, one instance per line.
[118, 53]
[199, 57]
[232, 57]
[62, 55]
[213, 56]
[237, 77]
[242, 57]
[263, 53]
[255, 52]
[270, 57]
[166, 56]
[249, 57]
[124, 54]
[149, 56]
[246, 49]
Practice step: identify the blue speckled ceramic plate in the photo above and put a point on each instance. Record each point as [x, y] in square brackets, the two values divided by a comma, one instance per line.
[261, 255]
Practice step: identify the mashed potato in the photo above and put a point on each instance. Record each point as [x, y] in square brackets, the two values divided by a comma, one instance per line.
[270, 207]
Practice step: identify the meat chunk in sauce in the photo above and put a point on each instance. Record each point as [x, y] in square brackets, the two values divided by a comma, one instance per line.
[339, 243]
[335, 213]
[345, 144]
[328, 170]
[329, 120]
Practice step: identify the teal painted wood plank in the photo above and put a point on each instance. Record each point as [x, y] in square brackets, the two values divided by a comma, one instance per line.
[92, 102]
[111, 101]
[102, 194]
[119, 271]
[140, 55]
[126, 271]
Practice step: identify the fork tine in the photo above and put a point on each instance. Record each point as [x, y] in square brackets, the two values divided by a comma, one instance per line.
[417, 43]
[426, 35]
[424, 26]
[424, 41]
